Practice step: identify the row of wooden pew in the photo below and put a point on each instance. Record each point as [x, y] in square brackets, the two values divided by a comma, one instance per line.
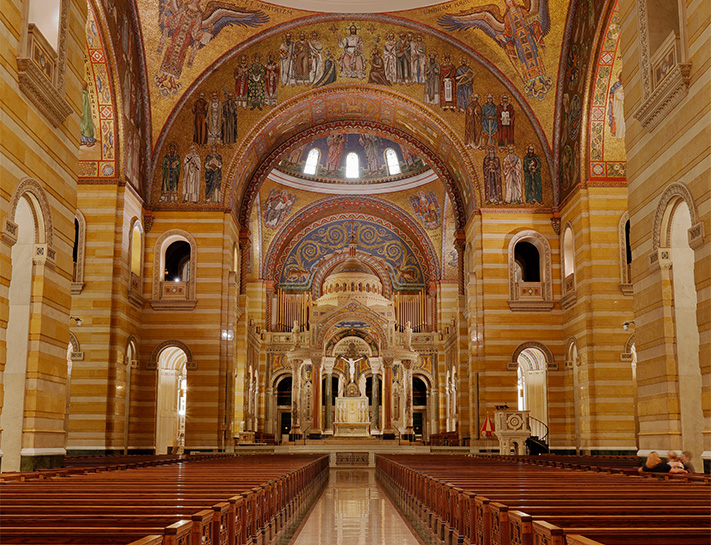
[484, 501]
[227, 500]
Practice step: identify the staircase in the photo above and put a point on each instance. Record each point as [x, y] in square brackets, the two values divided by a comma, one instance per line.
[537, 443]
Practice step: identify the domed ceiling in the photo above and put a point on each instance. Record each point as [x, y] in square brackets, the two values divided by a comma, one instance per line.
[329, 161]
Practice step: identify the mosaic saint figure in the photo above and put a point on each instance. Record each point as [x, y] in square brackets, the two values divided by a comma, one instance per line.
[492, 176]
[329, 71]
[402, 59]
[390, 58]
[352, 61]
[86, 126]
[616, 108]
[513, 181]
[294, 155]
[335, 143]
[371, 146]
[377, 69]
[256, 90]
[465, 80]
[532, 176]
[315, 57]
[171, 174]
[186, 28]
[432, 85]
[419, 57]
[200, 120]
[448, 84]
[489, 122]
[287, 61]
[271, 80]
[241, 75]
[302, 64]
[213, 176]
[229, 120]
[519, 31]
[191, 180]
[472, 124]
[214, 120]
[505, 120]
[277, 206]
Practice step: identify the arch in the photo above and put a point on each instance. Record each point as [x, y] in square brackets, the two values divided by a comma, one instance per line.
[571, 353]
[317, 284]
[550, 359]
[541, 300]
[365, 315]
[629, 344]
[79, 253]
[74, 343]
[568, 254]
[39, 204]
[171, 399]
[155, 355]
[532, 380]
[344, 335]
[352, 165]
[661, 232]
[163, 241]
[386, 213]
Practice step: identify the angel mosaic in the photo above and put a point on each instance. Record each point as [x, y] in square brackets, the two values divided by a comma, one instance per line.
[426, 208]
[186, 28]
[519, 31]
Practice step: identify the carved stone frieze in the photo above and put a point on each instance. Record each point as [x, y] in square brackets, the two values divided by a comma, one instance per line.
[665, 97]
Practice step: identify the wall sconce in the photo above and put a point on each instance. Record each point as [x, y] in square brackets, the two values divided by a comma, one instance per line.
[626, 325]
[77, 321]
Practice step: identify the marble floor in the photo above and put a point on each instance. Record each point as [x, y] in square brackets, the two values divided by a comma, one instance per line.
[354, 510]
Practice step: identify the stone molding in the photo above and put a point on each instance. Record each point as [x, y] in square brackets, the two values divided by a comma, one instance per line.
[667, 96]
[39, 198]
[545, 302]
[676, 190]
[41, 92]
[9, 232]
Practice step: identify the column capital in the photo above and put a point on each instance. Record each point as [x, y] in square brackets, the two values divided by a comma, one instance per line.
[388, 361]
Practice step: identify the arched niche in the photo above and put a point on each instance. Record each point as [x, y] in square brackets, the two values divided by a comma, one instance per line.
[525, 296]
[171, 294]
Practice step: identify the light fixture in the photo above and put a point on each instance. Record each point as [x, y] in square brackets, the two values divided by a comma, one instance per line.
[626, 325]
[228, 334]
[77, 321]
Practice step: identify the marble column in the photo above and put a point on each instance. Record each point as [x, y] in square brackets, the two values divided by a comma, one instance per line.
[388, 430]
[316, 429]
[375, 424]
[270, 423]
[295, 432]
[328, 421]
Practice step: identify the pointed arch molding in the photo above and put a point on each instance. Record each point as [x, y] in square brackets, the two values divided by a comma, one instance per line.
[305, 220]
[661, 230]
[78, 278]
[152, 364]
[551, 364]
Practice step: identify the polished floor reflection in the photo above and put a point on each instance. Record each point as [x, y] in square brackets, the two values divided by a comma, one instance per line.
[354, 510]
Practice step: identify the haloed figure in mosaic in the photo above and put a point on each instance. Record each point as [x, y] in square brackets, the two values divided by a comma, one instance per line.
[532, 176]
[213, 176]
[171, 174]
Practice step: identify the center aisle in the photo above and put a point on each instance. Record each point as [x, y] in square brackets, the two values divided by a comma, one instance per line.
[354, 510]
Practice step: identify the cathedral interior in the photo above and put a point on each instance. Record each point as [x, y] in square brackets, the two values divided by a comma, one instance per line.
[238, 223]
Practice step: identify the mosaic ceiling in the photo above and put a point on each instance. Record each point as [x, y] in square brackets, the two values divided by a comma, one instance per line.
[203, 98]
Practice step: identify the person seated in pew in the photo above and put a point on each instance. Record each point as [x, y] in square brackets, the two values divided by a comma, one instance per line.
[674, 462]
[654, 464]
[686, 460]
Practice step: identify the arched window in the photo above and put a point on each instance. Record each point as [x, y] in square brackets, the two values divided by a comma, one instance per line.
[135, 288]
[625, 254]
[312, 161]
[528, 262]
[568, 266]
[530, 286]
[44, 43]
[392, 162]
[352, 167]
[174, 271]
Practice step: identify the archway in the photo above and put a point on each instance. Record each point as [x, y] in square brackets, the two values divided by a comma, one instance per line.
[18, 328]
[171, 400]
[686, 330]
[282, 403]
[532, 383]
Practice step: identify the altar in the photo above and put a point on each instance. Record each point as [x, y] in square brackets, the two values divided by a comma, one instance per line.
[352, 419]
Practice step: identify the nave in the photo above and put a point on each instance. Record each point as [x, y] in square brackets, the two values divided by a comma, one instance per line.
[342, 499]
